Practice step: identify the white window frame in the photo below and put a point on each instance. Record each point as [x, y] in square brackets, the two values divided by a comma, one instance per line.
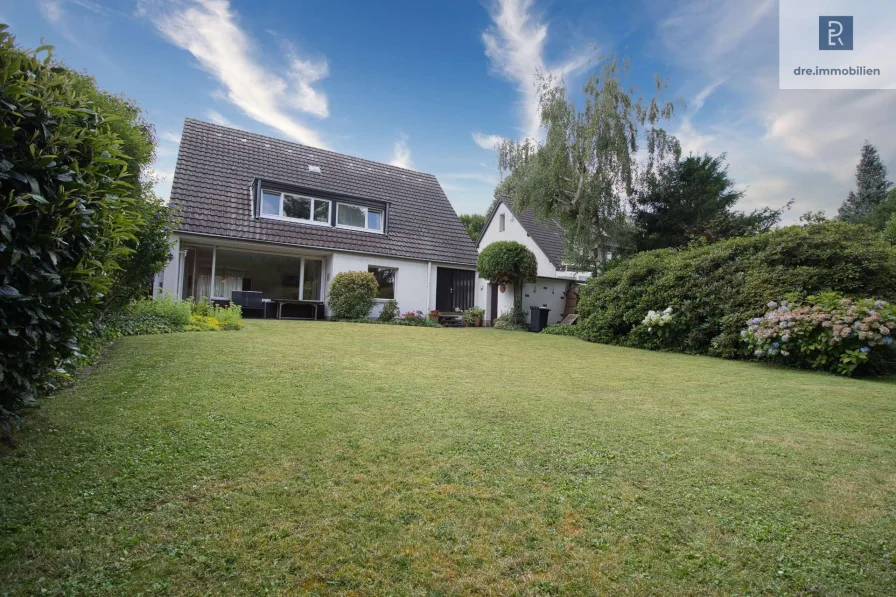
[501, 225]
[280, 215]
[365, 209]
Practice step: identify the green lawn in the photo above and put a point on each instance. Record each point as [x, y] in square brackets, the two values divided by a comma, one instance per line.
[326, 458]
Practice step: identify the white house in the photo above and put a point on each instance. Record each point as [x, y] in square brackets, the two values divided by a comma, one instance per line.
[281, 219]
[545, 239]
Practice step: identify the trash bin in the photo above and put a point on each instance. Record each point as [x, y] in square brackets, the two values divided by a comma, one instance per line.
[538, 319]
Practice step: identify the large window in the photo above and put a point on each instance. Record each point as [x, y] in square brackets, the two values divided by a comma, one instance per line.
[385, 279]
[357, 216]
[295, 207]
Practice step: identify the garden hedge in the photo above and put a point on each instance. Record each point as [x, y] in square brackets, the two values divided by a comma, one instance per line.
[66, 219]
[352, 294]
[715, 289]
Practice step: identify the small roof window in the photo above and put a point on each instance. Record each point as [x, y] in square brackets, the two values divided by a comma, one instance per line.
[313, 168]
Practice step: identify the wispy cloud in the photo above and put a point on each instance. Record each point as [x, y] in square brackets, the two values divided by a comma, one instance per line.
[219, 119]
[514, 44]
[210, 31]
[487, 141]
[780, 144]
[401, 153]
[51, 10]
[170, 137]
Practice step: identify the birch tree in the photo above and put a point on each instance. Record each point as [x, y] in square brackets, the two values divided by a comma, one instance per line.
[590, 160]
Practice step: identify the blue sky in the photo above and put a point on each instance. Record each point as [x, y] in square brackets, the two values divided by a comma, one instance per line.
[428, 85]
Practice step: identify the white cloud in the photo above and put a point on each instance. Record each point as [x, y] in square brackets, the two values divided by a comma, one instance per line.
[170, 137]
[780, 144]
[401, 153]
[515, 46]
[219, 119]
[51, 10]
[487, 141]
[210, 31]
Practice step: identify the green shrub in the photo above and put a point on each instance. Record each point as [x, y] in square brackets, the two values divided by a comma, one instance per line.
[67, 219]
[144, 324]
[829, 333]
[352, 294]
[175, 311]
[389, 312]
[472, 314]
[714, 289]
[230, 317]
[512, 320]
[202, 306]
[202, 323]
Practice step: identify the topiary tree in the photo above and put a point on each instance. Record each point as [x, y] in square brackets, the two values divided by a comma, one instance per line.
[68, 215]
[352, 294]
[509, 262]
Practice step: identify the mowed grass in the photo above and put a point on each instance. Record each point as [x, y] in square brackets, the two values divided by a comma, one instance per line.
[342, 459]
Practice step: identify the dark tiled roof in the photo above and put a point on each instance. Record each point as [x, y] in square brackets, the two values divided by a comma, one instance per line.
[547, 234]
[216, 166]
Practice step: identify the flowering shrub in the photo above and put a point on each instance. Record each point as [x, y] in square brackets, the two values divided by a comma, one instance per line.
[657, 320]
[829, 333]
[414, 317]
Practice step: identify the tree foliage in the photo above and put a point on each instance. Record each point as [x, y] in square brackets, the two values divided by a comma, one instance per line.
[588, 163]
[73, 215]
[692, 198]
[473, 224]
[352, 294]
[509, 262]
[872, 187]
[714, 289]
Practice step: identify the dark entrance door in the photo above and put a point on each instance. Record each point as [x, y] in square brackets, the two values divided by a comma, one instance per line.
[455, 289]
[493, 302]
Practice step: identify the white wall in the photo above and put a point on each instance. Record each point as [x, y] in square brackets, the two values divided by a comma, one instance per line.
[513, 230]
[415, 281]
[171, 273]
[546, 292]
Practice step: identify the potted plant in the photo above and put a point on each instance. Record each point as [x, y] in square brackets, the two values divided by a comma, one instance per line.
[473, 316]
[434, 315]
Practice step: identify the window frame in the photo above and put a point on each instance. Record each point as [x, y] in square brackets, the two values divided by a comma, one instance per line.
[280, 216]
[502, 225]
[366, 209]
[394, 280]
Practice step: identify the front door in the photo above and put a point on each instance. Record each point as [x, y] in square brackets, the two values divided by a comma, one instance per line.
[455, 289]
[493, 302]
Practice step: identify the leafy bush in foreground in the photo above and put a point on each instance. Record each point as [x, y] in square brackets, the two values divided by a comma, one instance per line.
[714, 289]
[67, 217]
[829, 333]
[352, 294]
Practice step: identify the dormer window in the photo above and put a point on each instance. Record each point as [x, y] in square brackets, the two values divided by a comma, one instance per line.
[359, 216]
[290, 206]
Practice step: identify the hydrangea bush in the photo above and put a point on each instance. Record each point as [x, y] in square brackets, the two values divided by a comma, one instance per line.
[828, 333]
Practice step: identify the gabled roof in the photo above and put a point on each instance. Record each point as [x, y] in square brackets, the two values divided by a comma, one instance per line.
[217, 165]
[547, 234]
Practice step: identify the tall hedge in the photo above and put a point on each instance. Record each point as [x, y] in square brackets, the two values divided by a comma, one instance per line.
[67, 215]
[714, 289]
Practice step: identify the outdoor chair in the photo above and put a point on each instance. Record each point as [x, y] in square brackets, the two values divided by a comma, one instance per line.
[249, 300]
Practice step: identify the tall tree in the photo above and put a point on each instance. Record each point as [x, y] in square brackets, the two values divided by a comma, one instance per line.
[871, 186]
[473, 224]
[692, 198]
[588, 163]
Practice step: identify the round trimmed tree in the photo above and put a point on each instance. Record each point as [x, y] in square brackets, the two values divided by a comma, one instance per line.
[508, 262]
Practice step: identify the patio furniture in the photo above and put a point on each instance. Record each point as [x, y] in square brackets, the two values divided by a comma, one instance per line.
[282, 302]
[249, 300]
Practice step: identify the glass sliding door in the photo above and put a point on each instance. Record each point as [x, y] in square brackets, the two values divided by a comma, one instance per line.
[312, 277]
